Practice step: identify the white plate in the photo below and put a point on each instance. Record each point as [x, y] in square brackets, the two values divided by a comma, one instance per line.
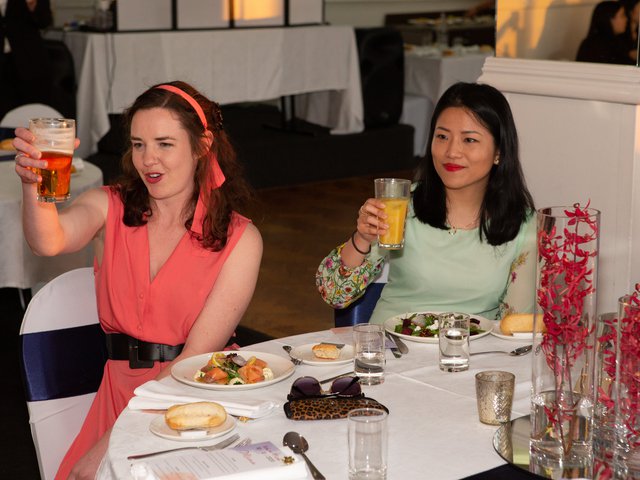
[524, 337]
[160, 428]
[390, 325]
[184, 370]
[304, 353]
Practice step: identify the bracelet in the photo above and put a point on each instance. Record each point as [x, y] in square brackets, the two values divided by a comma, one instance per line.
[353, 242]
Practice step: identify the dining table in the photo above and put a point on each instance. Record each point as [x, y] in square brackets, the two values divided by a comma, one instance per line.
[318, 65]
[433, 425]
[19, 267]
[428, 72]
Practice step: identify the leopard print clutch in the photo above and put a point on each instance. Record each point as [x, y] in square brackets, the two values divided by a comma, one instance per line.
[327, 408]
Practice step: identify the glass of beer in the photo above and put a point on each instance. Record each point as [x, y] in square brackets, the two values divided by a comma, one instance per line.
[55, 138]
[394, 193]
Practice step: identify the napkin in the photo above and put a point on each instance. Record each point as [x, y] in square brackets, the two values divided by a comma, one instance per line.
[154, 395]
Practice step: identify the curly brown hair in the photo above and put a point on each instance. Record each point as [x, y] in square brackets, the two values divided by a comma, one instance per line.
[233, 195]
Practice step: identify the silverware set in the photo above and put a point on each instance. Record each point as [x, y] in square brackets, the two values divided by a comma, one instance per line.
[294, 360]
[398, 347]
[207, 448]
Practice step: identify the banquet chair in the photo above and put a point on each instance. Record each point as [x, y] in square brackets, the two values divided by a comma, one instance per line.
[360, 311]
[62, 359]
[19, 116]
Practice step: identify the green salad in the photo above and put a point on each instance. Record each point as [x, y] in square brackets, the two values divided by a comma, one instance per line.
[426, 325]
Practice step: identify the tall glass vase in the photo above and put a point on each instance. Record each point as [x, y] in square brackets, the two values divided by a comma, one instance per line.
[562, 399]
[627, 451]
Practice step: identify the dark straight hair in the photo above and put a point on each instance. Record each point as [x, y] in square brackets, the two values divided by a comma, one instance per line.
[507, 201]
[602, 16]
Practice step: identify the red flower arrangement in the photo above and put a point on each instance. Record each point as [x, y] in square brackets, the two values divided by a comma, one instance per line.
[628, 366]
[566, 279]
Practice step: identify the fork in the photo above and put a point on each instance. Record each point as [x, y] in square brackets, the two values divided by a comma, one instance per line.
[208, 448]
[288, 348]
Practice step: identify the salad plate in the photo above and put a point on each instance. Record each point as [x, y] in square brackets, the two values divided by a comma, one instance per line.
[185, 370]
[305, 353]
[390, 324]
[160, 428]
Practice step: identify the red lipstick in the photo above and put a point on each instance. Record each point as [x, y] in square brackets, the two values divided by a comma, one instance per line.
[452, 167]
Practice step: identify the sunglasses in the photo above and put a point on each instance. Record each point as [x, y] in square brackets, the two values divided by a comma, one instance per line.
[309, 387]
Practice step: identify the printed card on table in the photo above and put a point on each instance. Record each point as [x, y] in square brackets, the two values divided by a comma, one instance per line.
[258, 461]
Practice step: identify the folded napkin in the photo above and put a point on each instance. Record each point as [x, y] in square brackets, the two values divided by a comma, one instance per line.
[155, 395]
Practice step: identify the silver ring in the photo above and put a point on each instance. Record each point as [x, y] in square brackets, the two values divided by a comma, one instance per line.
[17, 155]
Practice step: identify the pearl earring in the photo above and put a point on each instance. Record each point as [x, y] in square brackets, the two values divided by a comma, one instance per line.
[496, 161]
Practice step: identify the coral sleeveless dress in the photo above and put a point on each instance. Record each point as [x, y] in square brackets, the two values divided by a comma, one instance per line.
[159, 311]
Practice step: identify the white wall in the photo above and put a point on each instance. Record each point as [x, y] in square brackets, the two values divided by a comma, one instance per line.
[542, 29]
[359, 13]
[580, 141]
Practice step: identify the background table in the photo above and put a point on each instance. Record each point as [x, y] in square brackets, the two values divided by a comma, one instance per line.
[433, 421]
[427, 77]
[229, 66]
[19, 268]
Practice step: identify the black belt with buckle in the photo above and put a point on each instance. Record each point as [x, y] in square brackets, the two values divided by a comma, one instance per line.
[139, 353]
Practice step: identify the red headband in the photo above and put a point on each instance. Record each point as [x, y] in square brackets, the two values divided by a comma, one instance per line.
[215, 178]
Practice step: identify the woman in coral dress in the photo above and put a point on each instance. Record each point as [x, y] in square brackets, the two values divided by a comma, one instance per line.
[176, 264]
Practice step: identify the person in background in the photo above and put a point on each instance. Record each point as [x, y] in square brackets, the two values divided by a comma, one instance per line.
[24, 64]
[470, 229]
[176, 263]
[605, 42]
[484, 7]
[632, 9]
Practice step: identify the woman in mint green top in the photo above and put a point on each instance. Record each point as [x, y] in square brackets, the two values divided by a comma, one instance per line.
[470, 231]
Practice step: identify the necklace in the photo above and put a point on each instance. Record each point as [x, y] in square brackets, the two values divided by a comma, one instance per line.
[453, 229]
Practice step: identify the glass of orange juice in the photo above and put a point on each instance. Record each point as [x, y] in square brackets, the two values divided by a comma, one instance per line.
[394, 193]
[55, 138]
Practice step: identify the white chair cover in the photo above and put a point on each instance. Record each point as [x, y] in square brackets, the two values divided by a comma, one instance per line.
[66, 302]
[20, 116]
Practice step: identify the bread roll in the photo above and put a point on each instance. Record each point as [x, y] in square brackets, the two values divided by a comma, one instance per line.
[326, 350]
[518, 322]
[7, 144]
[195, 415]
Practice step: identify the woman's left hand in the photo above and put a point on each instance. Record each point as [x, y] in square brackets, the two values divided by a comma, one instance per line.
[88, 465]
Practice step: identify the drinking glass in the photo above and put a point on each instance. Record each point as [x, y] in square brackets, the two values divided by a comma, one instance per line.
[494, 393]
[369, 359]
[394, 193]
[55, 138]
[367, 436]
[453, 339]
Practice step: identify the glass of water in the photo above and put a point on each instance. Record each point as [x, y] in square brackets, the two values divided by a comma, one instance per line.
[453, 339]
[369, 360]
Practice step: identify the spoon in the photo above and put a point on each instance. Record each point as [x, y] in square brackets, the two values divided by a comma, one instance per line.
[514, 353]
[299, 445]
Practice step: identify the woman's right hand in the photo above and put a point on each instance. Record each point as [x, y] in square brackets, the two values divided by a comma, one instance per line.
[371, 220]
[27, 157]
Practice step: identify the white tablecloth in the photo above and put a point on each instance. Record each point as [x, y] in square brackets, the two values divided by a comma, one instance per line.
[434, 431]
[19, 267]
[237, 65]
[429, 76]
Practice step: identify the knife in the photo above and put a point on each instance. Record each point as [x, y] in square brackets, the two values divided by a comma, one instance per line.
[401, 345]
[394, 348]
